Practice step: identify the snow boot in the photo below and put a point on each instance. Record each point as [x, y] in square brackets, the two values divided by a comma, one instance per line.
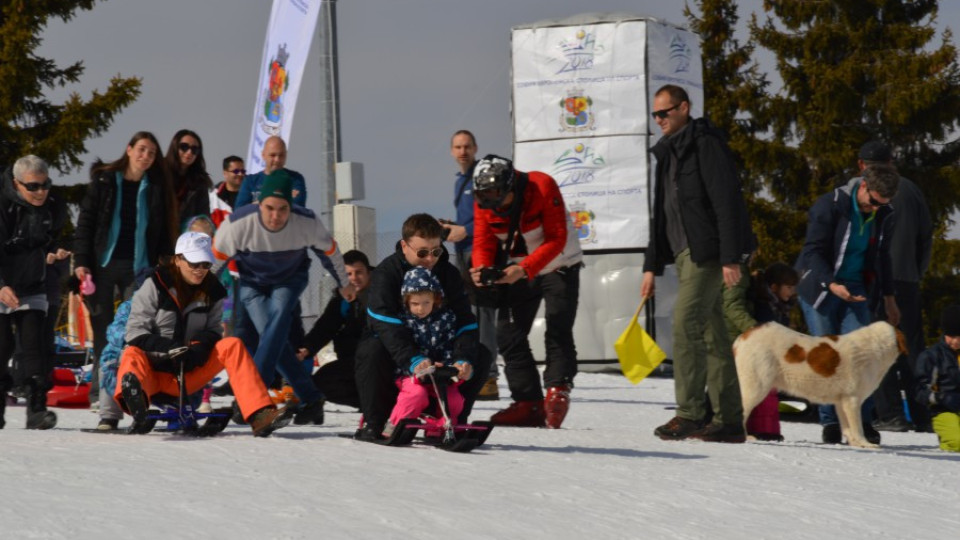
[521, 414]
[38, 417]
[136, 402]
[108, 424]
[311, 413]
[556, 405]
[677, 429]
[6, 383]
[269, 419]
[722, 433]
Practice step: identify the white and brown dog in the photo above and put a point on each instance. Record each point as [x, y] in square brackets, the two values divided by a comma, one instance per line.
[838, 370]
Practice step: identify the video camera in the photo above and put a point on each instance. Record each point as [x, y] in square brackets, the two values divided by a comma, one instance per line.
[489, 275]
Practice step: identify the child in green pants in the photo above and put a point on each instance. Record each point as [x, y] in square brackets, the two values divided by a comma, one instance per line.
[938, 380]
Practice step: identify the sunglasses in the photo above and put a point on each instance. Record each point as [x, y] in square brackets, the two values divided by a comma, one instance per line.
[422, 253]
[199, 265]
[663, 113]
[239, 172]
[874, 202]
[36, 186]
[184, 147]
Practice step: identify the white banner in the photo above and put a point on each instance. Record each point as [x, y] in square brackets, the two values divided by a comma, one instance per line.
[673, 57]
[289, 33]
[576, 81]
[603, 181]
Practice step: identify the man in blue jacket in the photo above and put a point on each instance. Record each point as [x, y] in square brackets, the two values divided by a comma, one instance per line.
[845, 268]
[274, 156]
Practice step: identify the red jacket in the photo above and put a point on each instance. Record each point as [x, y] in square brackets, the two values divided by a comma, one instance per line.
[549, 241]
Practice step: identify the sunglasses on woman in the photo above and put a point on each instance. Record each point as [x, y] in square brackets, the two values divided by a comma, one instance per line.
[184, 147]
[199, 265]
[36, 186]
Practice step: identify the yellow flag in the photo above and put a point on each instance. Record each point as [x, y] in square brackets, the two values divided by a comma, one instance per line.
[638, 353]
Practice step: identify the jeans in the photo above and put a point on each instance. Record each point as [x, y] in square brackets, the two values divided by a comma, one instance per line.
[836, 316]
[270, 309]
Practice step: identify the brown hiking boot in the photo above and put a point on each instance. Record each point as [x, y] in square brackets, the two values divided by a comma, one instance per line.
[556, 405]
[723, 433]
[269, 419]
[521, 414]
[677, 429]
[489, 391]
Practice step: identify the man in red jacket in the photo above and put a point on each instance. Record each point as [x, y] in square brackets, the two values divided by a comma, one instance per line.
[525, 251]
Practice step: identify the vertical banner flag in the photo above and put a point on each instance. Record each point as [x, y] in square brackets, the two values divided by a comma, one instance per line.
[289, 33]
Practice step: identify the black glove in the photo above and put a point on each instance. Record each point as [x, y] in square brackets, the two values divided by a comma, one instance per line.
[191, 359]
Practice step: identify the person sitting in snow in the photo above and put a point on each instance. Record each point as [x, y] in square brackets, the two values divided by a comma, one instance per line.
[174, 326]
[434, 328]
[938, 380]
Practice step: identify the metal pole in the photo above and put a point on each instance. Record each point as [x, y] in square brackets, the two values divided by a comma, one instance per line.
[329, 109]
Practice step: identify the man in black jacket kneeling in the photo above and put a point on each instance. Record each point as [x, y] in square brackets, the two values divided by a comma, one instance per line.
[387, 344]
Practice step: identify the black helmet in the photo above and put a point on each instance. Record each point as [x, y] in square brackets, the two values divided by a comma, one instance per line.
[492, 181]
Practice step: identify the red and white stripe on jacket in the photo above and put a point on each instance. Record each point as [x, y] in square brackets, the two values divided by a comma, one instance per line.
[545, 224]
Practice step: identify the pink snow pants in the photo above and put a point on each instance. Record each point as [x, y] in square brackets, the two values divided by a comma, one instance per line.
[765, 417]
[415, 396]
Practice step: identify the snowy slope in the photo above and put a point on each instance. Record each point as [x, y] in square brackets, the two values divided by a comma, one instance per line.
[603, 476]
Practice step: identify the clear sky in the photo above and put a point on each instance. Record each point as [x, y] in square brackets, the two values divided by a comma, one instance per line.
[411, 73]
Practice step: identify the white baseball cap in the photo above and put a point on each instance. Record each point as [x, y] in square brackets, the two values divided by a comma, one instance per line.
[195, 247]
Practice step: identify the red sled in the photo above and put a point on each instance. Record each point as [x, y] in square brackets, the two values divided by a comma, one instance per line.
[67, 392]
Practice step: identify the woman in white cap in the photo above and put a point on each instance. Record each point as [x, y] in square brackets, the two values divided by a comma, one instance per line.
[175, 320]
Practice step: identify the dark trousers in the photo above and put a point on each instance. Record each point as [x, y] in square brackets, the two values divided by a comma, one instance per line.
[116, 276]
[887, 398]
[338, 382]
[376, 372]
[560, 291]
[30, 360]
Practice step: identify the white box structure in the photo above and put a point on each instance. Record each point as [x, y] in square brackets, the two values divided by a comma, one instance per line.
[349, 181]
[355, 227]
[581, 94]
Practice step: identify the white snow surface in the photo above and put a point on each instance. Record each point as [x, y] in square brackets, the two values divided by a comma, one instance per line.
[604, 475]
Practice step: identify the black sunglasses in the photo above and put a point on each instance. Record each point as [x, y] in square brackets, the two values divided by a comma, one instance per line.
[422, 253]
[663, 113]
[191, 147]
[874, 202]
[239, 171]
[36, 186]
[199, 265]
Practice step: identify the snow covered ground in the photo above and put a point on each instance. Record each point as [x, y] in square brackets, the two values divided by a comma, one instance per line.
[603, 476]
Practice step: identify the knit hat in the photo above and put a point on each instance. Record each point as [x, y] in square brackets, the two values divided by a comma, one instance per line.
[950, 320]
[875, 151]
[277, 184]
[419, 279]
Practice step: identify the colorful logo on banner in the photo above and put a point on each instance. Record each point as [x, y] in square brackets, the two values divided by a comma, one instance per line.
[584, 223]
[579, 52]
[680, 54]
[576, 115]
[272, 96]
[577, 165]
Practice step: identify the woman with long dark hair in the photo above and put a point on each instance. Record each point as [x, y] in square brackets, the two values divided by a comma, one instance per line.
[174, 325]
[127, 222]
[191, 183]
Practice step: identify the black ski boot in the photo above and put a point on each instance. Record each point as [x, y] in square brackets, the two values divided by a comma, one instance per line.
[136, 403]
[38, 417]
[6, 383]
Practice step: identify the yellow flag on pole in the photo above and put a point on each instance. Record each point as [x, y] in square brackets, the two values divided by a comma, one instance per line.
[638, 353]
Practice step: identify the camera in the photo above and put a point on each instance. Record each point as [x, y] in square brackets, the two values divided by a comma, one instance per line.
[446, 232]
[489, 275]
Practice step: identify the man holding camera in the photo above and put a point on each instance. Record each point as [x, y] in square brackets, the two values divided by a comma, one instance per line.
[524, 246]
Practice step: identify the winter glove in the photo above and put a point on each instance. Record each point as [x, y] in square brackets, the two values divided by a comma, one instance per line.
[191, 359]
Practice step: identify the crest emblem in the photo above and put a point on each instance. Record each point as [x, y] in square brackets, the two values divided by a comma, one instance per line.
[577, 114]
[583, 223]
[272, 95]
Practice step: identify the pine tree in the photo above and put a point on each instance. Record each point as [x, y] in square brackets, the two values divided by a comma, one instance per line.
[851, 71]
[29, 122]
